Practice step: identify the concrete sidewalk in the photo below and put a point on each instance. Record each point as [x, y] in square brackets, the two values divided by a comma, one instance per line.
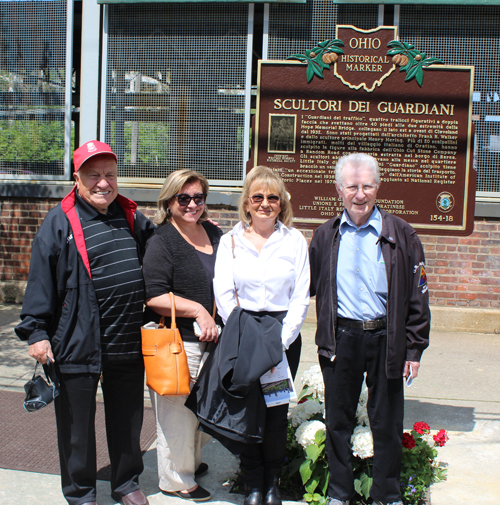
[458, 390]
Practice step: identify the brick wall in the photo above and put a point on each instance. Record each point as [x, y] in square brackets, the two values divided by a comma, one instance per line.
[461, 271]
[20, 219]
[465, 271]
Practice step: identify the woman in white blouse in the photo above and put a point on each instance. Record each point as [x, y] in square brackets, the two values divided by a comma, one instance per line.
[267, 271]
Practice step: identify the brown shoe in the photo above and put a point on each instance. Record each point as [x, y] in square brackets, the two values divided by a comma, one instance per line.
[134, 498]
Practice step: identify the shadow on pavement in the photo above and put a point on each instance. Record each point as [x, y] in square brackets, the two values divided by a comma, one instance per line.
[439, 416]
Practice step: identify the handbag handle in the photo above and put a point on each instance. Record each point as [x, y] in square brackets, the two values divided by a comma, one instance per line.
[173, 324]
[172, 311]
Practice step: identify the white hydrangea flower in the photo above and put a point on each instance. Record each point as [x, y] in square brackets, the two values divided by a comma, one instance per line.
[362, 412]
[362, 415]
[362, 442]
[304, 411]
[314, 379]
[363, 396]
[307, 431]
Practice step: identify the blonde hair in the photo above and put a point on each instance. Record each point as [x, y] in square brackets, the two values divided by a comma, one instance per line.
[264, 177]
[172, 186]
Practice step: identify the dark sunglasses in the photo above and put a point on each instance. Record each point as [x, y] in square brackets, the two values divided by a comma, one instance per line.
[184, 200]
[260, 198]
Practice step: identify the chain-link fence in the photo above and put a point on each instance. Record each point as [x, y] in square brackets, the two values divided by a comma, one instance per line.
[175, 89]
[32, 88]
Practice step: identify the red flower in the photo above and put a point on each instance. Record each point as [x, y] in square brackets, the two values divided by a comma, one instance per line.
[441, 437]
[408, 441]
[421, 428]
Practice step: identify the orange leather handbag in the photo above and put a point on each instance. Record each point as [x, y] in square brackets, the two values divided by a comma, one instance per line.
[165, 359]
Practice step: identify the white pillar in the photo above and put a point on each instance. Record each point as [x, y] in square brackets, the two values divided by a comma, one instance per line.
[89, 71]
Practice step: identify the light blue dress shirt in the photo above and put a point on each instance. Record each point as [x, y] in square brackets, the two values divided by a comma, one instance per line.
[361, 274]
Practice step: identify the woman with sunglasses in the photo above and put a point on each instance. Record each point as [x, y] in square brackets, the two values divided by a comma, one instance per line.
[180, 258]
[263, 264]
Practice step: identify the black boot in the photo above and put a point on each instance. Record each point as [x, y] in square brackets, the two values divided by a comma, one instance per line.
[253, 496]
[273, 496]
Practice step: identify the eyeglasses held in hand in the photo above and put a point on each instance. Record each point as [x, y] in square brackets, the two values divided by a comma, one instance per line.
[365, 188]
[184, 199]
[258, 198]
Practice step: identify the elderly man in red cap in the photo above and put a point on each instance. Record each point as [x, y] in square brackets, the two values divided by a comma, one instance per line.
[83, 309]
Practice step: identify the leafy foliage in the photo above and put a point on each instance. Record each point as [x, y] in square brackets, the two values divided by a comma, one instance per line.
[362, 470]
[32, 141]
[314, 58]
[153, 144]
[314, 471]
[420, 468]
[414, 61]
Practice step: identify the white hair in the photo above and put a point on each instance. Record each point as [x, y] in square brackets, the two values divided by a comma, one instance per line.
[356, 160]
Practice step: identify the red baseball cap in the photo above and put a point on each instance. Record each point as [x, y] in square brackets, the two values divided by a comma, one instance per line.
[89, 150]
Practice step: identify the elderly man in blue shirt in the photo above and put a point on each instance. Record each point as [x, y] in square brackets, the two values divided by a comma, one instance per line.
[368, 276]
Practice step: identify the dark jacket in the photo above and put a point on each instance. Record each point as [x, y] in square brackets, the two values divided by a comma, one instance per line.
[227, 397]
[408, 314]
[60, 303]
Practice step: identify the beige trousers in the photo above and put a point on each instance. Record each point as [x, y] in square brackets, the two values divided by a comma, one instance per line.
[179, 442]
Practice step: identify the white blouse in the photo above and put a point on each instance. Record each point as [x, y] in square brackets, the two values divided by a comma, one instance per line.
[277, 279]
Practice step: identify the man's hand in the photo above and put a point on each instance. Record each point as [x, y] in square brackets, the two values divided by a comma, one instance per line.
[41, 351]
[414, 368]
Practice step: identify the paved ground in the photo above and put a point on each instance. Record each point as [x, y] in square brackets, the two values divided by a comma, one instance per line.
[458, 390]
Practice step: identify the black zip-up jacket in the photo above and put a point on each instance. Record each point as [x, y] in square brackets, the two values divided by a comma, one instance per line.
[408, 314]
[60, 303]
[227, 398]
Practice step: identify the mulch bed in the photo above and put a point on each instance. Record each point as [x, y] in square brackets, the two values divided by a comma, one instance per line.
[29, 440]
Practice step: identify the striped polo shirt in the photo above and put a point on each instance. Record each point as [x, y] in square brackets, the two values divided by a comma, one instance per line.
[117, 279]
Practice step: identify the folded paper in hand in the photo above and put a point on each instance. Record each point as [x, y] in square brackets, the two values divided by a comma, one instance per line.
[277, 386]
